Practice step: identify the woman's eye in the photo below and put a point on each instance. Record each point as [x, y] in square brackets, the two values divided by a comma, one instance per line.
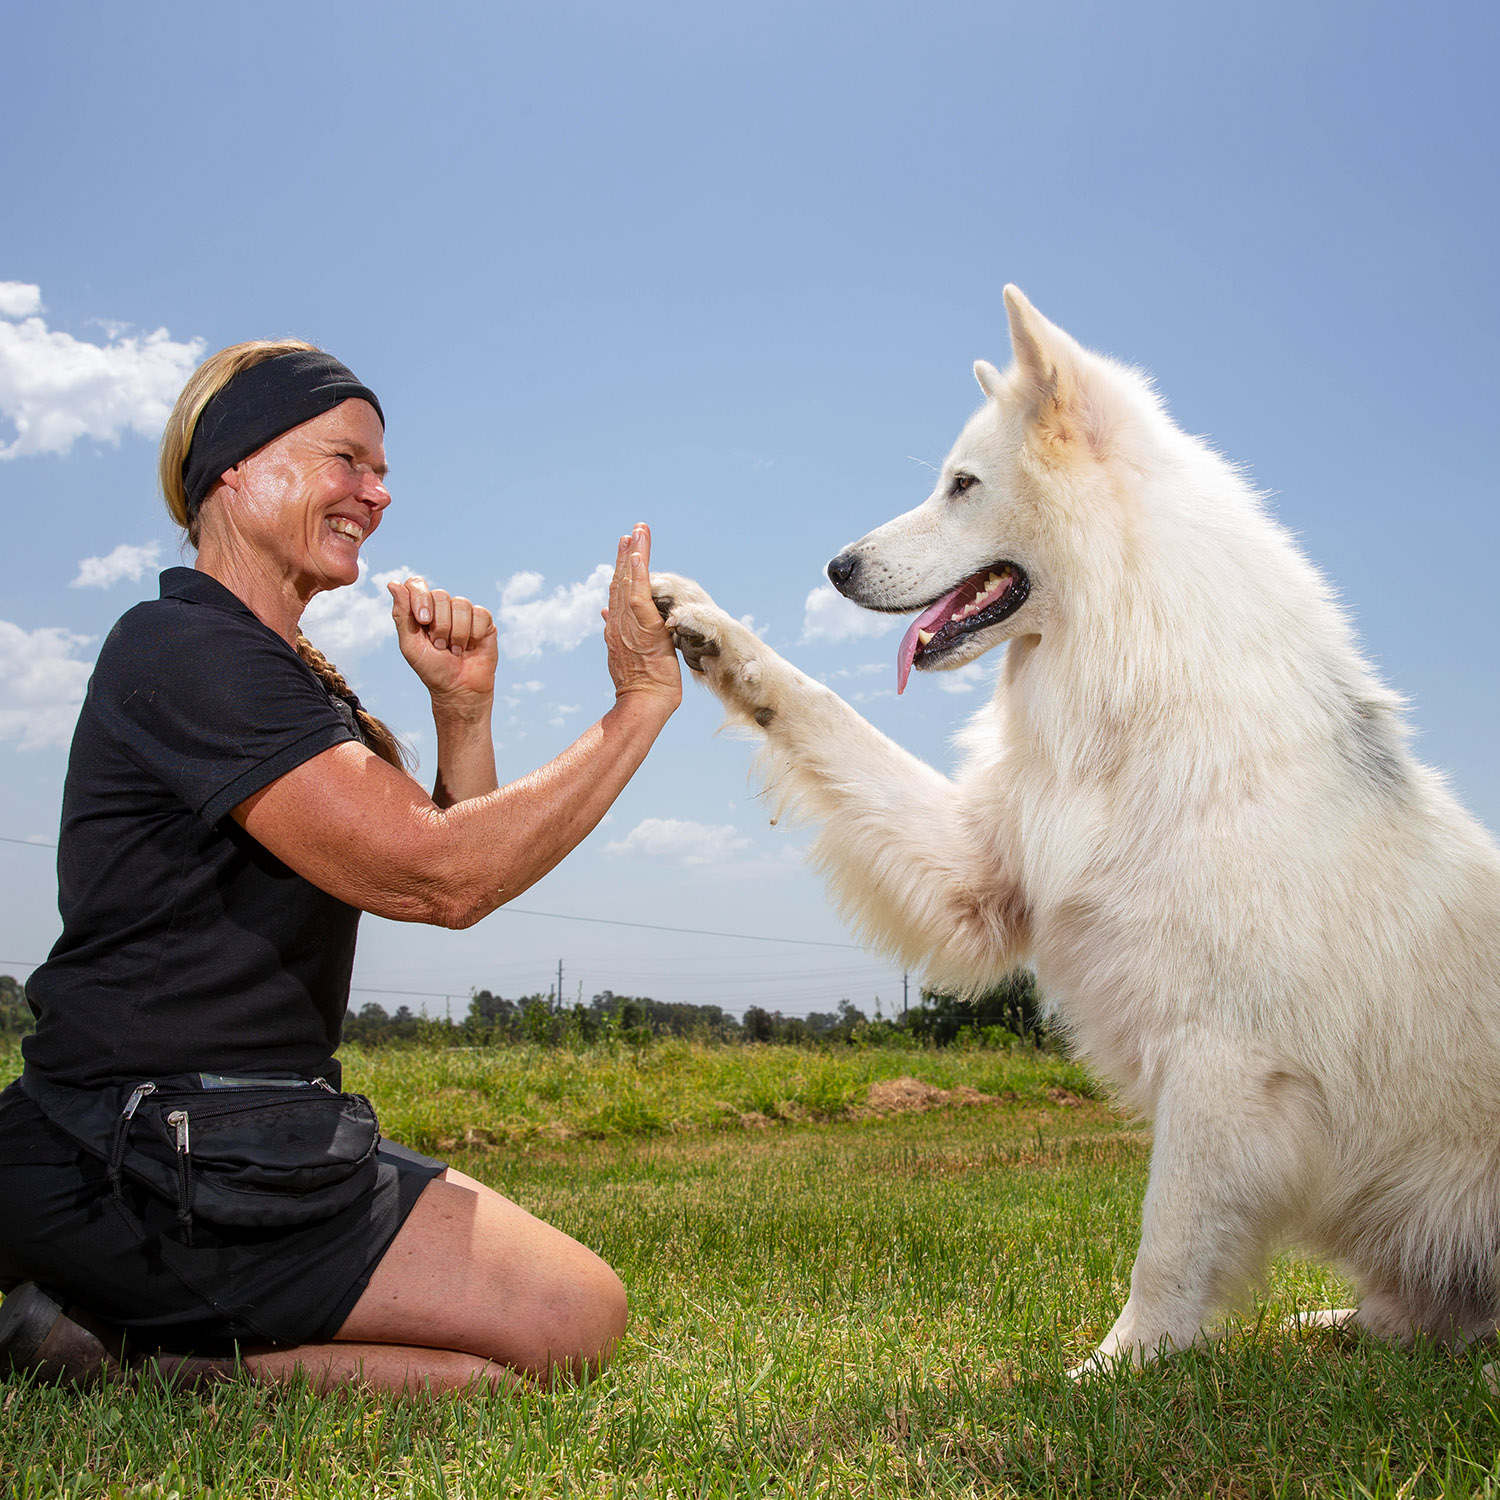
[962, 482]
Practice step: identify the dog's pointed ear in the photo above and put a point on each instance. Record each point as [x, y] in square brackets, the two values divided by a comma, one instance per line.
[991, 381]
[1034, 342]
[1057, 378]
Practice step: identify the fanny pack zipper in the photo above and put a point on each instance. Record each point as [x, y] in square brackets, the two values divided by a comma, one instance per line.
[181, 1123]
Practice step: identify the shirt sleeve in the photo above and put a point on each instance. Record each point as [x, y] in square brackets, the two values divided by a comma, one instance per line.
[213, 704]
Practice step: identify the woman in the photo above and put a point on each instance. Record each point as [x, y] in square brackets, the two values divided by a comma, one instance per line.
[229, 811]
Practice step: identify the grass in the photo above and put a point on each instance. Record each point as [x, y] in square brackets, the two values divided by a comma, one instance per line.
[826, 1301]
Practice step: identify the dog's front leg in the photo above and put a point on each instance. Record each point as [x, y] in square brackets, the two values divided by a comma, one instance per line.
[1235, 1140]
[904, 865]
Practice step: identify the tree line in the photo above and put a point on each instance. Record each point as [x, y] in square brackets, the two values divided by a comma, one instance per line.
[1011, 1011]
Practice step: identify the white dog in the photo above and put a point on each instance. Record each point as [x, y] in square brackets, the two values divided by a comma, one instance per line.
[1190, 804]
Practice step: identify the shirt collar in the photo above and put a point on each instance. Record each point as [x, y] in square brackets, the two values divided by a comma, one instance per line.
[198, 587]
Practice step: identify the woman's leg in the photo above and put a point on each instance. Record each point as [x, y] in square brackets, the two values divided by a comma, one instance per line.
[473, 1289]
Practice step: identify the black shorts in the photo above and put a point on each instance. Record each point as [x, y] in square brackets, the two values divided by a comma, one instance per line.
[60, 1226]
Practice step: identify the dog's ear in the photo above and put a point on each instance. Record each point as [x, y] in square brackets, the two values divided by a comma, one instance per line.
[1057, 380]
[991, 381]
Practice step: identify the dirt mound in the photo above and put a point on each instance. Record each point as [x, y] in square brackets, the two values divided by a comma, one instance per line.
[897, 1096]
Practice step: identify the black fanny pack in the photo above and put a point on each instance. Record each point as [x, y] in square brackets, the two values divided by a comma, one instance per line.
[241, 1152]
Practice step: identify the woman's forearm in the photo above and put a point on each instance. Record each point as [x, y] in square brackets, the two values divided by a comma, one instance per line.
[366, 834]
[506, 840]
[465, 754]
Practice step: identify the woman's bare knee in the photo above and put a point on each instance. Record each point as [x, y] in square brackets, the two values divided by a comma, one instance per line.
[474, 1272]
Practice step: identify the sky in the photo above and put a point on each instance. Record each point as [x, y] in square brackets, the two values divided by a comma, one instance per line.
[726, 269]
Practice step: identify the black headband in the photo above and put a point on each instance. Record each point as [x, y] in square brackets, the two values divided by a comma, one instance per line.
[259, 404]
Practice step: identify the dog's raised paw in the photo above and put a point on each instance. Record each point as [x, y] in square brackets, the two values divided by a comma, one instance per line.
[693, 645]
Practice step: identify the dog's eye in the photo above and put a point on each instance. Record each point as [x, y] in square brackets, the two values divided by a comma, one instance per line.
[962, 482]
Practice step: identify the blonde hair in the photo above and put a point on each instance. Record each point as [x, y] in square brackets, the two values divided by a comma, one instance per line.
[177, 439]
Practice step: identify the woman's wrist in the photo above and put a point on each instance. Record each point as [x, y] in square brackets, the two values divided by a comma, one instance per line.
[649, 702]
[462, 711]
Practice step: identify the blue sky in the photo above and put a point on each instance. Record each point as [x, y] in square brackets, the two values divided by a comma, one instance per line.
[726, 270]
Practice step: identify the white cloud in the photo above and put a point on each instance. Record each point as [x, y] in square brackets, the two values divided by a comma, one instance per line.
[828, 616]
[19, 299]
[758, 631]
[125, 561]
[965, 679]
[685, 842]
[533, 686]
[520, 587]
[561, 621]
[42, 680]
[349, 621]
[868, 669]
[55, 389]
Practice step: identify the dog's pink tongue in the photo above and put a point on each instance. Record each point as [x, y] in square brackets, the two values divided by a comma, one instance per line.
[906, 652]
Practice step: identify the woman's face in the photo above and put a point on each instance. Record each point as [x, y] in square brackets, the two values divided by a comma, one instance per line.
[307, 500]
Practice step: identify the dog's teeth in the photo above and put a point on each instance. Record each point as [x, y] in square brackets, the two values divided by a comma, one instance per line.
[925, 636]
[993, 582]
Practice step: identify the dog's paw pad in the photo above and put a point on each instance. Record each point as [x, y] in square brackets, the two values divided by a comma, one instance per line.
[694, 646]
[763, 717]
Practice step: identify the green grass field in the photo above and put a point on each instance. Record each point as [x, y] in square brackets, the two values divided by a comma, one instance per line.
[832, 1294]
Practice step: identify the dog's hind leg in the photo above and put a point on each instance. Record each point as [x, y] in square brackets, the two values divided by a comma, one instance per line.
[1235, 1142]
[904, 865]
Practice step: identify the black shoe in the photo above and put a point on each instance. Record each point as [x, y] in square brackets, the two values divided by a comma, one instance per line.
[38, 1338]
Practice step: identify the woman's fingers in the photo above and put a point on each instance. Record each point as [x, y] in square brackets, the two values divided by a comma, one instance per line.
[641, 542]
[404, 613]
[421, 598]
[442, 618]
[462, 629]
[448, 622]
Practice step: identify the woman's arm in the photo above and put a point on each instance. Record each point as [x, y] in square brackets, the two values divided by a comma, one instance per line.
[453, 647]
[363, 832]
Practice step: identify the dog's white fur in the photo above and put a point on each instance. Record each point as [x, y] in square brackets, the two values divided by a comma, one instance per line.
[1191, 806]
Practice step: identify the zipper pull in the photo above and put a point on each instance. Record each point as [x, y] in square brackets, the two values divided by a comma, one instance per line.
[134, 1102]
[324, 1084]
[179, 1119]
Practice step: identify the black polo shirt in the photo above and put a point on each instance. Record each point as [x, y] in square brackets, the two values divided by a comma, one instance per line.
[187, 946]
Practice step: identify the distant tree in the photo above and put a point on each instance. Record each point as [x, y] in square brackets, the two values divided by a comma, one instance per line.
[15, 1014]
[368, 1026]
[1013, 1005]
[757, 1024]
[489, 1010]
[662, 1017]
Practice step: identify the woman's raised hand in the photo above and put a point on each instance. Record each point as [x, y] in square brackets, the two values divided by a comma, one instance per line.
[449, 641]
[642, 658]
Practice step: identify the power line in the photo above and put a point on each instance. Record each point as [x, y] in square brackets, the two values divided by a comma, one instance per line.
[747, 937]
[559, 916]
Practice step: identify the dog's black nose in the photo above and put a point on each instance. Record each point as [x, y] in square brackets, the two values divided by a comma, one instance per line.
[842, 570]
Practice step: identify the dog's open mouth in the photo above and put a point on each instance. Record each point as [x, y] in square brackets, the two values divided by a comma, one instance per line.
[981, 600]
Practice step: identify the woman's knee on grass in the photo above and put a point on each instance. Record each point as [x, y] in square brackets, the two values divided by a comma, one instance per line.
[472, 1271]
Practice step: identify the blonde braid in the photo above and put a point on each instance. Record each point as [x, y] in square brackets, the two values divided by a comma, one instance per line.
[382, 741]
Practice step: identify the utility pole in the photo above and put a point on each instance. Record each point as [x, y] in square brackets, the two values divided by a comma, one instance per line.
[904, 991]
[559, 984]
